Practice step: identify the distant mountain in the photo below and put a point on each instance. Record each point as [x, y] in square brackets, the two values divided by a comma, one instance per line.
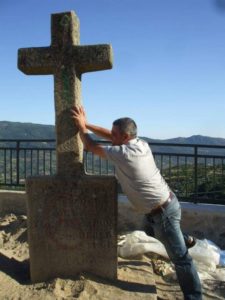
[194, 139]
[17, 130]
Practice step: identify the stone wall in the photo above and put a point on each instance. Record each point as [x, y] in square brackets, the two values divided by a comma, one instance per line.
[201, 220]
[205, 221]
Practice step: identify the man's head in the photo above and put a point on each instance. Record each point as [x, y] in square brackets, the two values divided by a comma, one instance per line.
[123, 130]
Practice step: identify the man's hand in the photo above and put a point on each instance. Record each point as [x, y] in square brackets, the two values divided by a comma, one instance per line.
[79, 116]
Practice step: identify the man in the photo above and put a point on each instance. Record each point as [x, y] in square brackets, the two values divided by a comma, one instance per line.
[144, 186]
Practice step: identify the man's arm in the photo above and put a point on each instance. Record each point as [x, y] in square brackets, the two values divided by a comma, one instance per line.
[90, 145]
[102, 132]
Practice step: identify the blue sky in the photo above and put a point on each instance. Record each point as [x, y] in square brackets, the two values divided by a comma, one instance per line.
[169, 63]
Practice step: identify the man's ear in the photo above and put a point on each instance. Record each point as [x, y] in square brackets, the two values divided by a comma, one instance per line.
[126, 137]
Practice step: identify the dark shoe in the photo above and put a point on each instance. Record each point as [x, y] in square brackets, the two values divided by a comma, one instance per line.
[190, 242]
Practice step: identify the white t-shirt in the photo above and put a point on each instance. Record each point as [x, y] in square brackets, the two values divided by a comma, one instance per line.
[138, 175]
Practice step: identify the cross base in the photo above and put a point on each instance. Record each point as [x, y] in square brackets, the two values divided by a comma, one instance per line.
[72, 226]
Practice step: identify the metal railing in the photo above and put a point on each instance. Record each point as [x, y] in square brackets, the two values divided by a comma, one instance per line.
[22, 158]
[195, 172]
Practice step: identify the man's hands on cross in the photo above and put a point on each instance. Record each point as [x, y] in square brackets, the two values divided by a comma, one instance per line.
[79, 116]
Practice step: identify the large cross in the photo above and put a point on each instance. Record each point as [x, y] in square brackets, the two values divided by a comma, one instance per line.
[72, 217]
[66, 60]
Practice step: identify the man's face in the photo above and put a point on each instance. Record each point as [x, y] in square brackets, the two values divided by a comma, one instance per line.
[118, 138]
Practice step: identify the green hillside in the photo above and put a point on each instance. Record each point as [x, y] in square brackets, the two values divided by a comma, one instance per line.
[17, 130]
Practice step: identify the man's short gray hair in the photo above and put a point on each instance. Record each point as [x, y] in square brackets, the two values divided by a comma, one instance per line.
[126, 125]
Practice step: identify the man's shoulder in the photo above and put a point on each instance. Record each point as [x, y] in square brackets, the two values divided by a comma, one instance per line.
[114, 150]
[138, 143]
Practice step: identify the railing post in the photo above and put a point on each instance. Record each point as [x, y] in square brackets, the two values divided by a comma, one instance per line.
[195, 174]
[17, 162]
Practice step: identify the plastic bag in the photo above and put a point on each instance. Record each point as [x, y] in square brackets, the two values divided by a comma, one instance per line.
[220, 252]
[206, 254]
[138, 242]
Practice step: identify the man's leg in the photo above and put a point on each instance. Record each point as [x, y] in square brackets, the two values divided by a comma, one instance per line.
[166, 227]
[190, 241]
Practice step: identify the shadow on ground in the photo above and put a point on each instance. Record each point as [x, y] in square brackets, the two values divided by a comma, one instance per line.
[18, 270]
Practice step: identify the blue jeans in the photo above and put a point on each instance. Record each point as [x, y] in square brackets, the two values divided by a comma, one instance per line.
[166, 226]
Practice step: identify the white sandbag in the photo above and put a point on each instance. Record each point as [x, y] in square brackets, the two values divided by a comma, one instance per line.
[138, 242]
[205, 253]
[219, 251]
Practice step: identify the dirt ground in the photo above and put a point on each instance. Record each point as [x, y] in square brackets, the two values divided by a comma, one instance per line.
[146, 277]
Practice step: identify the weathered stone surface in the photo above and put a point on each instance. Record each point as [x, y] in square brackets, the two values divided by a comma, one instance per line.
[72, 227]
[72, 218]
[66, 59]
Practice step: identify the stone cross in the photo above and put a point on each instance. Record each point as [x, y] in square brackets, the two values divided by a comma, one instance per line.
[72, 217]
[66, 60]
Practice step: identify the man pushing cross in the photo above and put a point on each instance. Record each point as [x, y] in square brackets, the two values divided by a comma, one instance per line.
[144, 186]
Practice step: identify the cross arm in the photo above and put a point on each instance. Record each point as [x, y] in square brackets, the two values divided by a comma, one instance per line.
[35, 61]
[93, 57]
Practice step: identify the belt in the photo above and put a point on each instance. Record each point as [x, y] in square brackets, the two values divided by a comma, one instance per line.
[160, 208]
